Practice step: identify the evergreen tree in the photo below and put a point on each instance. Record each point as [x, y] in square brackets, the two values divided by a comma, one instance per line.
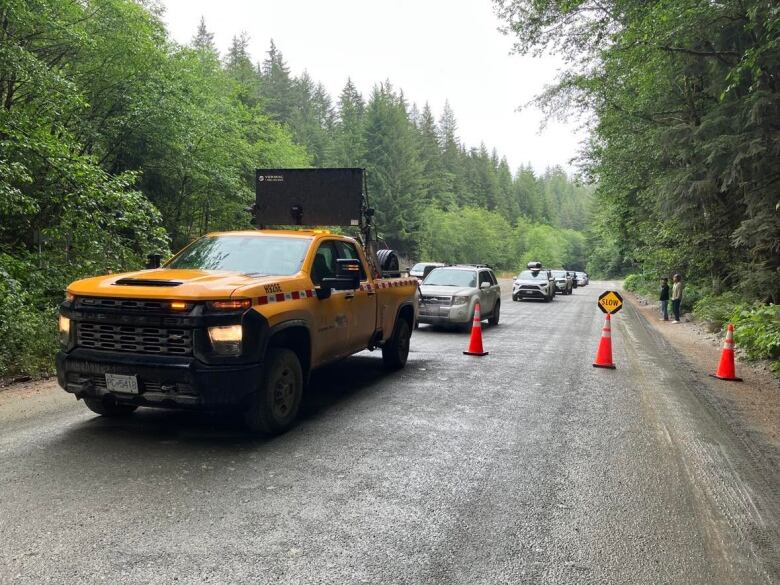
[348, 147]
[394, 170]
[278, 89]
[238, 64]
[435, 183]
[203, 39]
[311, 117]
[452, 155]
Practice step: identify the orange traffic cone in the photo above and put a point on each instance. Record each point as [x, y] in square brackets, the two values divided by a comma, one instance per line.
[726, 370]
[604, 353]
[475, 343]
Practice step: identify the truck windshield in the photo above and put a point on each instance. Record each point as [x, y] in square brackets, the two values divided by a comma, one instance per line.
[449, 277]
[266, 255]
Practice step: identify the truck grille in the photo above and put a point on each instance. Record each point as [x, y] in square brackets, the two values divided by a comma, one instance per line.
[123, 304]
[128, 338]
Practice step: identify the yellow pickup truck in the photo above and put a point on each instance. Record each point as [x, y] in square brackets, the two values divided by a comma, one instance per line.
[236, 319]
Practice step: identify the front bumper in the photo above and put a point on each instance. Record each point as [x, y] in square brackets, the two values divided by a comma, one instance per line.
[433, 314]
[163, 381]
[528, 293]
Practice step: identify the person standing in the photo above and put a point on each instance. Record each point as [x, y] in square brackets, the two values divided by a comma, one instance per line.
[677, 289]
[664, 299]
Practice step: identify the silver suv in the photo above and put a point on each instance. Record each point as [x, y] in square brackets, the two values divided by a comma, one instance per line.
[450, 293]
[564, 283]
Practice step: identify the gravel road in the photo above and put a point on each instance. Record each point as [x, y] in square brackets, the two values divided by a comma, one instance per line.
[524, 466]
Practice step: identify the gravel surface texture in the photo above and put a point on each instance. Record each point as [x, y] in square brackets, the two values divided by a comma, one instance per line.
[524, 466]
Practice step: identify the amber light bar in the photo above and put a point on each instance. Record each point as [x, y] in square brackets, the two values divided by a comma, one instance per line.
[231, 305]
[179, 305]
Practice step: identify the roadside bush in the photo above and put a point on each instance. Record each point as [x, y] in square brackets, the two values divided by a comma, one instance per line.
[757, 333]
[640, 284]
[28, 332]
[717, 309]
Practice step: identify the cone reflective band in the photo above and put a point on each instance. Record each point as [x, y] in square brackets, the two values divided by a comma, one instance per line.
[475, 342]
[604, 353]
[726, 369]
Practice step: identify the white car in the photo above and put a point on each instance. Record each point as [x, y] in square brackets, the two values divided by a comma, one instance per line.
[534, 284]
[422, 269]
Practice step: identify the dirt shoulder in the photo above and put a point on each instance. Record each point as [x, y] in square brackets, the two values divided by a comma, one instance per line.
[756, 400]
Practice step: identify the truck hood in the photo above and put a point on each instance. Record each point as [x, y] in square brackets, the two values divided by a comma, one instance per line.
[445, 291]
[164, 283]
[520, 281]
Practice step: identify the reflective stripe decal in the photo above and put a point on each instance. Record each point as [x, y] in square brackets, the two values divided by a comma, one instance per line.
[281, 297]
[309, 293]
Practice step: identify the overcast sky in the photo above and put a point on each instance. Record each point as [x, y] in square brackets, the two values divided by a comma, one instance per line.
[432, 49]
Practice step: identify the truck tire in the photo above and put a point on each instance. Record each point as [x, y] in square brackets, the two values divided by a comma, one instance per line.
[496, 314]
[396, 350]
[274, 406]
[109, 408]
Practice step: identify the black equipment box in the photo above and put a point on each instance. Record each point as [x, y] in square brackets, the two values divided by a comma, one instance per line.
[314, 197]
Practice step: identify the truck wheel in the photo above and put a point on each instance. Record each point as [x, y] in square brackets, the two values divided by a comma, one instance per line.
[109, 408]
[276, 402]
[396, 350]
[496, 314]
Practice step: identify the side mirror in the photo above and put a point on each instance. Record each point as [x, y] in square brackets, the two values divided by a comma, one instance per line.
[348, 277]
[484, 285]
[322, 292]
[153, 261]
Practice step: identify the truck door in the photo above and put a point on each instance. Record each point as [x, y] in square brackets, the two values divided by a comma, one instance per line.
[332, 315]
[362, 303]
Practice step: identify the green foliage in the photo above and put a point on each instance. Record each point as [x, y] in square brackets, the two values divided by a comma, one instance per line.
[757, 332]
[684, 107]
[113, 142]
[27, 327]
[466, 235]
[635, 283]
[478, 235]
[717, 309]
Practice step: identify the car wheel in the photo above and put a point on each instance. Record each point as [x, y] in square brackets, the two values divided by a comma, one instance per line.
[275, 404]
[109, 408]
[496, 314]
[396, 351]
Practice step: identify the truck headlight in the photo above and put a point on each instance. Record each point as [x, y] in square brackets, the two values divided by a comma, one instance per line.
[64, 330]
[226, 340]
[459, 300]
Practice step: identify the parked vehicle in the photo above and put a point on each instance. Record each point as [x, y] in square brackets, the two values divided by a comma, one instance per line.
[449, 295]
[563, 282]
[236, 319]
[536, 283]
[422, 269]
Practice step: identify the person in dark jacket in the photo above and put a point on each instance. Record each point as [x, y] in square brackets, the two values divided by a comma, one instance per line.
[664, 299]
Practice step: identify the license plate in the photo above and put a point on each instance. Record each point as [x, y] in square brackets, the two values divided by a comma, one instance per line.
[120, 383]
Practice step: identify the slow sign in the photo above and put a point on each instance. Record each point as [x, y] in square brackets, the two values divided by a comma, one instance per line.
[610, 302]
